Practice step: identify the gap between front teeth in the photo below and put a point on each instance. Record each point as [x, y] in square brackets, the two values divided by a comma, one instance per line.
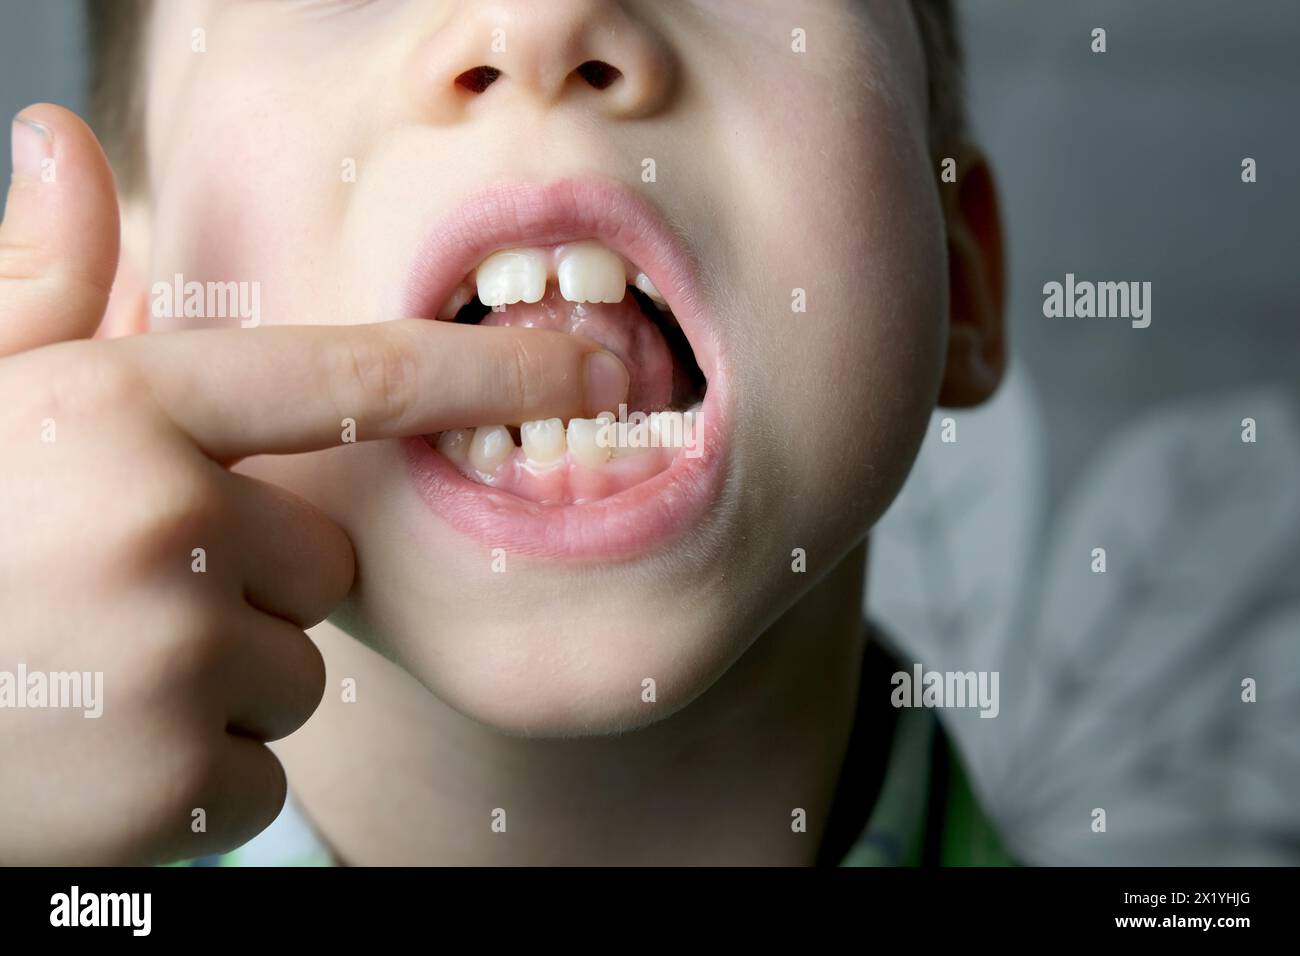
[584, 272]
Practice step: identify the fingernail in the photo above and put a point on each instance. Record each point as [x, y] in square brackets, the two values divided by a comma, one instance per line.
[606, 382]
[32, 146]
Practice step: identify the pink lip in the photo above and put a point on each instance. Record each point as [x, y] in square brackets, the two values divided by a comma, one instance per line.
[645, 516]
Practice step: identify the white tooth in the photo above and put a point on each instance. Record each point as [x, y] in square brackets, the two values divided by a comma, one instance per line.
[584, 438]
[510, 276]
[464, 292]
[632, 443]
[455, 444]
[632, 437]
[645, 285]
[667, 429]
[588, 272]
[543, 441]
[654, 428]
[491, 446]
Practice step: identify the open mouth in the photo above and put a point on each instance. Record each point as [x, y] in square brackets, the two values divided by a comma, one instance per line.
[581, 288]
[587, 257]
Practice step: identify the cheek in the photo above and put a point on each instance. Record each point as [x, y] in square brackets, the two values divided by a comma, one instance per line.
[852, 219]
[248, 195]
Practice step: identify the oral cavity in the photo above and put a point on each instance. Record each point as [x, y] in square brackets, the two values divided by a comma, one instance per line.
[583, 289]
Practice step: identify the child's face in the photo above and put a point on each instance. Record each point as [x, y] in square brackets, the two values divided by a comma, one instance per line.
[775, 170]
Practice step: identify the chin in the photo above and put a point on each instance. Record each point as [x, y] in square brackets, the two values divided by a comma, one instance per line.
[575, 665]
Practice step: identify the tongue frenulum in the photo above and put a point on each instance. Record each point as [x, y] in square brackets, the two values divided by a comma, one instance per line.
[619, 327]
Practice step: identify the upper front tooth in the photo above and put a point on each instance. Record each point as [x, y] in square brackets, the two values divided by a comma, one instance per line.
[491, 446]
[510, 276]
[543, 441]
[643, 283]
[588, 272]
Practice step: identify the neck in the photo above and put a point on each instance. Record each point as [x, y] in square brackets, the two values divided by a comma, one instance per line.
[402, 779]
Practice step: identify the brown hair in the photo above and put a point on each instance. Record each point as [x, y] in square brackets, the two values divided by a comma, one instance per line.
[116, 35]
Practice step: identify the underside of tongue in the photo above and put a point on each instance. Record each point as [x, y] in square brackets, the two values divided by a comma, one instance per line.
[619, 327]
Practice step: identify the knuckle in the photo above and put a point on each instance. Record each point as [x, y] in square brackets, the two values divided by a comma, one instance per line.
[300, 694]
[311, 677]
[82, 379]
[183, 657]
[195, 778]
[267, 787]
[381, 371]
[177, 510]
[177, 658]
[242, 798]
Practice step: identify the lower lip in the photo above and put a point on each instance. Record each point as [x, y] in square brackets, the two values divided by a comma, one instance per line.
[644, 518]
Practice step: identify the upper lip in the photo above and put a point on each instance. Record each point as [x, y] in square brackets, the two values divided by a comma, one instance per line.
[564, 210]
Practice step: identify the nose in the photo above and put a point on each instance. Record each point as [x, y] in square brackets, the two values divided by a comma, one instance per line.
[589, 53]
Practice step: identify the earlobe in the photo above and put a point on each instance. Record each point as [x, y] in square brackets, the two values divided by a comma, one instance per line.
[976, 357]
[127, 312]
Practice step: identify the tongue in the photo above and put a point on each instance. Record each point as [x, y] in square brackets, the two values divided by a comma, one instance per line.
[619, 327]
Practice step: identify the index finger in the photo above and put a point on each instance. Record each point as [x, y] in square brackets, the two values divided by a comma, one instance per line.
[287, 389]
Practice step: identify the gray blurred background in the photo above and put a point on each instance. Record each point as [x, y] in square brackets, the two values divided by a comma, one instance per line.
[1119, 691]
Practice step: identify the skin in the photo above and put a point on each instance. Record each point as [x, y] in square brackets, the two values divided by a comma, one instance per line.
[464, 705]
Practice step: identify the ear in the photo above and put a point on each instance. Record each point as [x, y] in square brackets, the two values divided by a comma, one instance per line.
[976, 330]
[128, 304]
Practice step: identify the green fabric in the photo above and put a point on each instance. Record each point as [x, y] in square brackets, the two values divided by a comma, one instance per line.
[969, 837]
[897, 832]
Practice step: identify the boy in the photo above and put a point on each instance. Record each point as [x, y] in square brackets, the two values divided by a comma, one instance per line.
[434, 246]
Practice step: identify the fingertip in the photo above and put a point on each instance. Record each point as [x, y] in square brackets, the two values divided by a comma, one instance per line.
[605, 381]
[32, 148]
[73, 161]
[61, 231]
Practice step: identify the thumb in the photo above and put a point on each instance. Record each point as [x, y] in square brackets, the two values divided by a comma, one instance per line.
[59, 238]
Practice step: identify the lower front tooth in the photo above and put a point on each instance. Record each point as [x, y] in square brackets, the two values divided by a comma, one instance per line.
[491, 446]
[585, 436]
[543, 441]
[455, 444]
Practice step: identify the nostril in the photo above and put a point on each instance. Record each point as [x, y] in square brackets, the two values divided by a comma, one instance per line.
[599, 74]
[478, 79]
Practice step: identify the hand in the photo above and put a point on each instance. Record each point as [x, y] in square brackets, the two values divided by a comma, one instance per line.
[116, 469]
